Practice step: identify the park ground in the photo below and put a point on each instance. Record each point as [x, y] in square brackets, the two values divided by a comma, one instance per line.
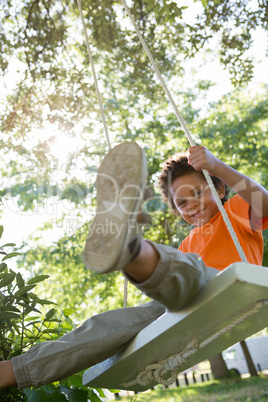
[247, 389]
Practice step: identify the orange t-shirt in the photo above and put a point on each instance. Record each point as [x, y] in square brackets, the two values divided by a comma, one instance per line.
[213, 241]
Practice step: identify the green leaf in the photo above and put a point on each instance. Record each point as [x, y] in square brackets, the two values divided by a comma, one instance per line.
[29, 309]
[1, 230]
[50, 331]
[12, 308]
[16, 328]
[3, 266]
[36, 317]
[50, 388]
[9, 245]
[68, 311]
[10, 255]
[16, 353]
[38, 278]
[204, 3]
[57, 397]
[75, 394]
[115, 391]
[41, 395]
[55, 320]
[102, 394]
[50, 313]
[24, 289]
[7, 279]
[20, 280]
[43, 301]
[9, 316]
[33, 322]
[93, 397]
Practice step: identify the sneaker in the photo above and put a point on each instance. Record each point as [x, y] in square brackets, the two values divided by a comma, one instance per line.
[114, 236]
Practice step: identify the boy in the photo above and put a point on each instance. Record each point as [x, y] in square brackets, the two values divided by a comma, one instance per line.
[188, 197]
[169, 276]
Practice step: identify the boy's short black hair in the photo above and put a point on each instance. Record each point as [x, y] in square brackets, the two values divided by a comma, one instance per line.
[177, 166]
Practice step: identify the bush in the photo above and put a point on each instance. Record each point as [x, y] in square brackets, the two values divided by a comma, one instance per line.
[22, 325]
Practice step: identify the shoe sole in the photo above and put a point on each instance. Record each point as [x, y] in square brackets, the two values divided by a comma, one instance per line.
[120, 184]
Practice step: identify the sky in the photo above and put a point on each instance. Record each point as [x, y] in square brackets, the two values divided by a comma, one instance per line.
[18, 225]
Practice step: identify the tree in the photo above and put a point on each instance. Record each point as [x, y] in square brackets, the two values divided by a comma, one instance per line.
[250, 364]
[53, 85]
[53, 89]
[218, 366]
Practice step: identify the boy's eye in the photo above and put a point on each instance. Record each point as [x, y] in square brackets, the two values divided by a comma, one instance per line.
[198, 193]
[181, 203]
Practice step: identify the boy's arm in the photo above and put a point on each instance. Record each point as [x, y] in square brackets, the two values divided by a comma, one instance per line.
[251, 191]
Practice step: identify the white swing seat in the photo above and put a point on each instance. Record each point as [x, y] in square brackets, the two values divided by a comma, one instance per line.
[229, 308]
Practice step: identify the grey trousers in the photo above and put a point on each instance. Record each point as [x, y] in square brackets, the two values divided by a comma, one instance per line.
[176, 280]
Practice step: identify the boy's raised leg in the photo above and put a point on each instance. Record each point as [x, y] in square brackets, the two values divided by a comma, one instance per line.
[115, 240]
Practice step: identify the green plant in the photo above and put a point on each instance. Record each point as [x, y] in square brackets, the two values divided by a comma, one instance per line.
[22, 325]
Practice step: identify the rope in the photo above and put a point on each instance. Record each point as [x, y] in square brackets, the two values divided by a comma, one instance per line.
[100, 106]
[188, 135]
[157, 372]
[94, 75]
[125, 291]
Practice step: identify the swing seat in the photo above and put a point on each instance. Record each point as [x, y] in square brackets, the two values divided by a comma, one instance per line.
[228, 309]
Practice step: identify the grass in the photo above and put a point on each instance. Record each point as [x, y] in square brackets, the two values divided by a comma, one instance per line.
[246, 390]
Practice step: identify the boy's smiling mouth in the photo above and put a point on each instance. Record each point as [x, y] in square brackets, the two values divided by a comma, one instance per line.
[198, 213]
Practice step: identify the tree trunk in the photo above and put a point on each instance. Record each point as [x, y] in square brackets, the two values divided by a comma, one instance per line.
[251, 368]
[218, 366]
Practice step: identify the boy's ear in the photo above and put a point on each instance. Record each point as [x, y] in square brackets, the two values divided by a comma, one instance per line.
[221, 189]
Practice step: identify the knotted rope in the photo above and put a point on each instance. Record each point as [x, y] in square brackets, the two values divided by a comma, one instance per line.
[165, 371]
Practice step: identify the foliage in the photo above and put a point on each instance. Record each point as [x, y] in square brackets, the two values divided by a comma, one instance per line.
[20, 329]
[22, 325]
[237, 126]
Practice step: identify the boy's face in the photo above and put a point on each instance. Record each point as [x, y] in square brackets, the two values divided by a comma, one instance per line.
[194, 199]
